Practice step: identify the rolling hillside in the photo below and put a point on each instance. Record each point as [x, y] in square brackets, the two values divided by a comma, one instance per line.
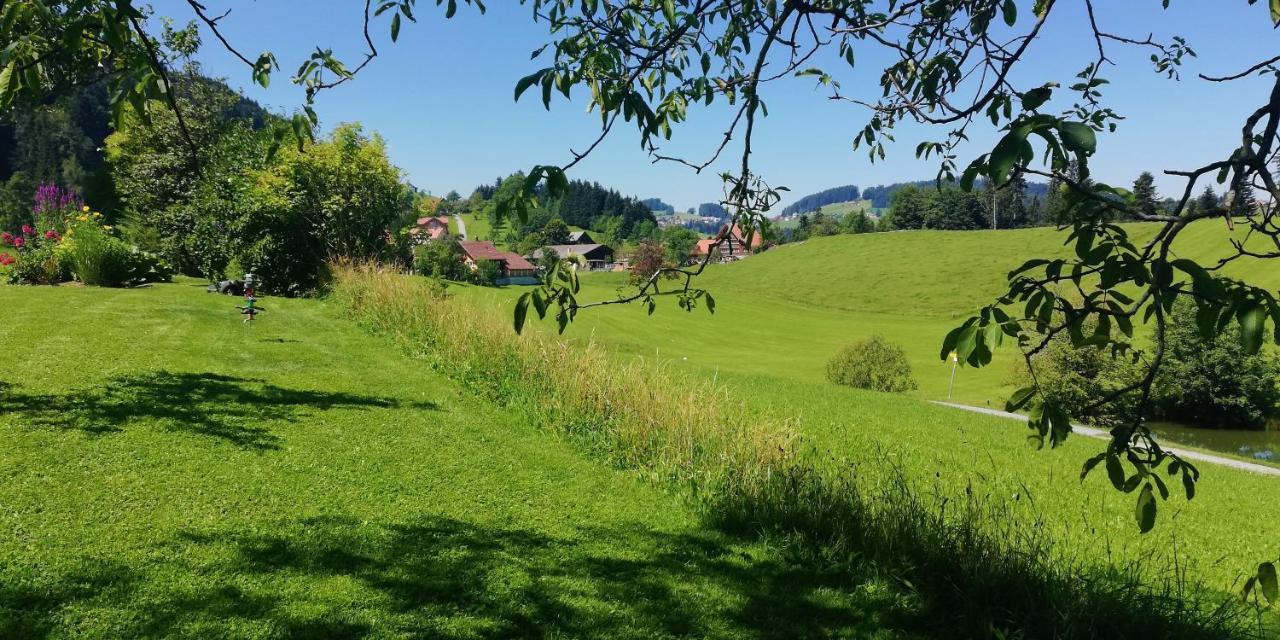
[784, 312]
[781, 315]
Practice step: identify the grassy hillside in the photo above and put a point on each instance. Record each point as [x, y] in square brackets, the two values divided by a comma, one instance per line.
[169, 472]
[782, 314]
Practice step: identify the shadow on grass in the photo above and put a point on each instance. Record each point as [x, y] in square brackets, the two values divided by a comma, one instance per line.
[232, 409]
[444, 578]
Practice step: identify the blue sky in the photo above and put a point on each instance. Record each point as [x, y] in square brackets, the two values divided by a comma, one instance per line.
[442, 97]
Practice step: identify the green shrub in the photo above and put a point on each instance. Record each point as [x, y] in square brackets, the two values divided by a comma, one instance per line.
[874, 363]
[439, 259]
[1213, 382]
[39, 265]
[487, 273]
[99, 259]
[1204, 382]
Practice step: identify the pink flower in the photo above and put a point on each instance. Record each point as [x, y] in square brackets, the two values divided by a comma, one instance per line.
[28, 230]
[5, 259]
[51, 235]
[6, 237]
[19, 241]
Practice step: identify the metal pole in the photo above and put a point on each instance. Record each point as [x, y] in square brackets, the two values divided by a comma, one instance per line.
[955, 363]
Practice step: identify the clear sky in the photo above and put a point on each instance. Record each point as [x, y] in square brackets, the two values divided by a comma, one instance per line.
[442, 97]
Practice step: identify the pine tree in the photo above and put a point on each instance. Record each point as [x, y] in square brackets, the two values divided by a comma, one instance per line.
[1207, 200]
[1144, 194]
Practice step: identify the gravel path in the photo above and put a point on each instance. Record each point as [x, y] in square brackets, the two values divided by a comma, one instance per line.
[462, 227]
[1099, 433]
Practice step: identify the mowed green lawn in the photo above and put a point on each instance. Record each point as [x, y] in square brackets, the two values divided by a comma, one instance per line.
[781, 315]
[168, 472]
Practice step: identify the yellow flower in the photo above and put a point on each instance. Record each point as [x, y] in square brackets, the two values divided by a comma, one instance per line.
[97, 215]
[85, 208]
[82, 218]
[106, 227]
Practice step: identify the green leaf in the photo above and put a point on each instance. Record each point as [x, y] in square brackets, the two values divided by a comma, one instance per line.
[522, 310]
[1010, 11]
[1115, 471]
[528, 81]
[6, 84]
[1019, 398]
[1034, 98]
[1275, 12]
[1090, 464]
[1079, 137]
[711, 302]
[669, 10]
[395, 27]
[1145, 512]
[1267, 580]
[1251, 324]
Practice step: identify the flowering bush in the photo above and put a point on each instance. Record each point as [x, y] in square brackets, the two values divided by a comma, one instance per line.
[97, 257]
[74, 242]
[33, 258]
[54, 206]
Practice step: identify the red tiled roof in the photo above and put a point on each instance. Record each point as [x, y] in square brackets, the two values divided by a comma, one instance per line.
[444, 220]
[483, 250]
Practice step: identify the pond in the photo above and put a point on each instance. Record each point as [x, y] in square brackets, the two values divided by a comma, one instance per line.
[1260, 445]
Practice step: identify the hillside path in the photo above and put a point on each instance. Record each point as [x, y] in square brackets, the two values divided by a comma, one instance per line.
[1103, 435]
[462, 227]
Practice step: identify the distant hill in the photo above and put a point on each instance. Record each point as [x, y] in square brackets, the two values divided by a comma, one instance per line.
[712, 210]
[656, 205]
[879, 196]
[815, 201]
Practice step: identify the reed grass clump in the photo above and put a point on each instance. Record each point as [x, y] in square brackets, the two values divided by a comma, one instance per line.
[968, 565]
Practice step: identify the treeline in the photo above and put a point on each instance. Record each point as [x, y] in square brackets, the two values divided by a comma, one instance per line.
[233, 194]
[657, 205]
[879, 196]
[612, 218]
[816, 201]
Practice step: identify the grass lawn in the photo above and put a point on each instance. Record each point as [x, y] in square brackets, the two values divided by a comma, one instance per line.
[169, 472]
[478, 227]
[782, 314]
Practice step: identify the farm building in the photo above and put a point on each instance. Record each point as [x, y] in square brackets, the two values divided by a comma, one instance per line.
[733, 245]
[597, 256]
[515, 269]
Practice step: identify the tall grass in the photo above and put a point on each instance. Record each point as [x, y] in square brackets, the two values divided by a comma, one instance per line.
[971, 568]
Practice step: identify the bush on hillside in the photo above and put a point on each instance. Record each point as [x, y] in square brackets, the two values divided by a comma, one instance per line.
[1209, 383]
[97, 258]
[1213, 382]
[439, 259]
[487, 273]
[1074, 378]
[875, 364]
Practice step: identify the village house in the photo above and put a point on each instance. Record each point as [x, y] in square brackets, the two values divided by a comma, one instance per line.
[581, 237]
[515, 269]
[597, 256]
[732, 245]
[430, 228]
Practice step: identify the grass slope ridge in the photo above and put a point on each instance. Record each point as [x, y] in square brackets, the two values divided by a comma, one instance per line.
[969, 568]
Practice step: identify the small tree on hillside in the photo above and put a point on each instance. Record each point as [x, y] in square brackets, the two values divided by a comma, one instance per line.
[555, 232]
[1145, 196]
[649, 258]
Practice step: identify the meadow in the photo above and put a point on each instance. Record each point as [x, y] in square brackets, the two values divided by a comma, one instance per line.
[169, 472]
[780, 315]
